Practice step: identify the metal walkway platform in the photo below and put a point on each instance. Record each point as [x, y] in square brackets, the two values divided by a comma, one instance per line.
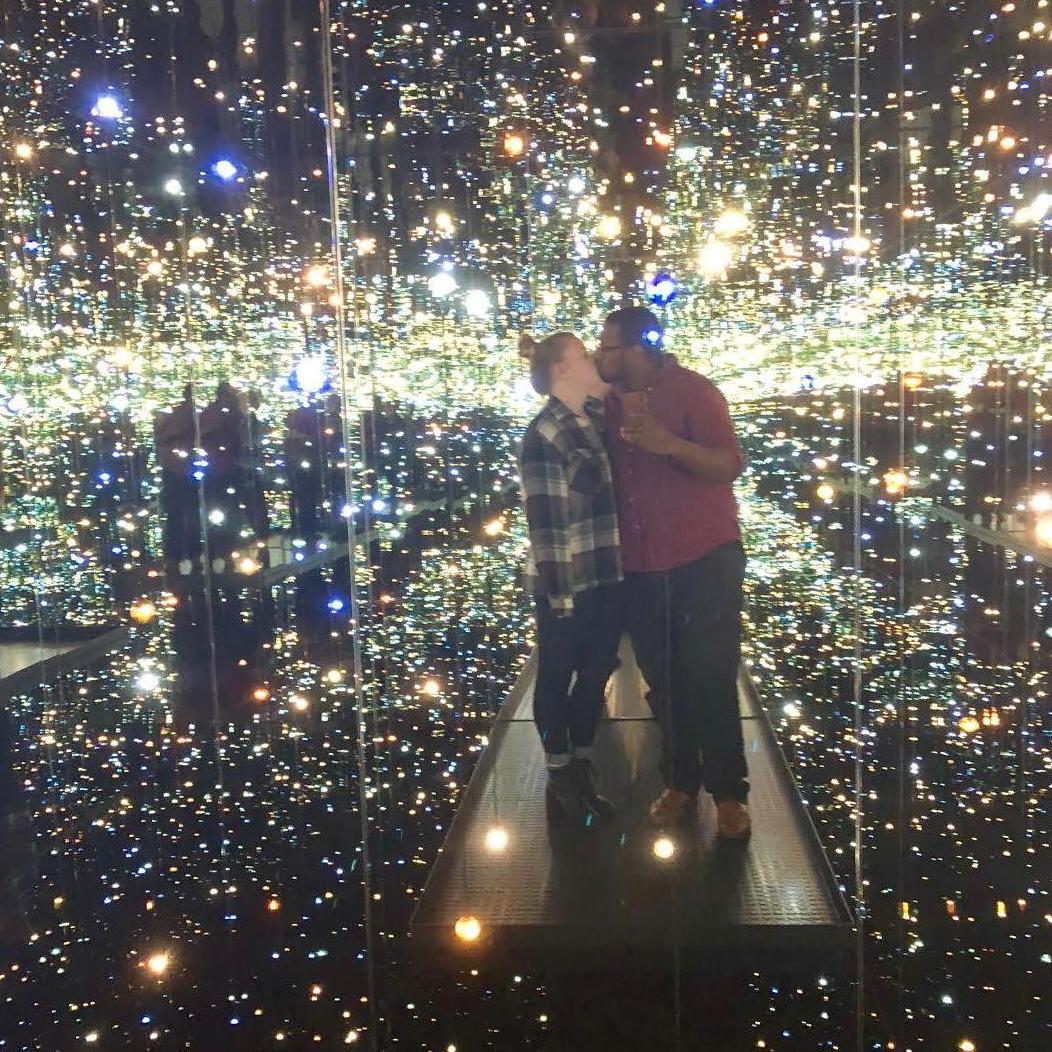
[602, 893]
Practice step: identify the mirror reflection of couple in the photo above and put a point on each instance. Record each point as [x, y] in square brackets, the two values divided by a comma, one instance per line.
[627, 476]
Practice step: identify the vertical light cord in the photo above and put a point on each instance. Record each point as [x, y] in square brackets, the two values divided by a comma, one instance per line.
[345, 402]
[860, 917]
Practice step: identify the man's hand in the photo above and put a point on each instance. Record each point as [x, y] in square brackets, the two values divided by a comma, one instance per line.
[644, 432]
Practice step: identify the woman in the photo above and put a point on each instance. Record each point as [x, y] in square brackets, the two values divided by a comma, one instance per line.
[574, 565]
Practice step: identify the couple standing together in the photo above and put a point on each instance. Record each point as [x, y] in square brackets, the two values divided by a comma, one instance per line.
[627, 477]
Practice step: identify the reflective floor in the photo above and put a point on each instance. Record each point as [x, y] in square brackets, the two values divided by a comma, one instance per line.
[613, 891]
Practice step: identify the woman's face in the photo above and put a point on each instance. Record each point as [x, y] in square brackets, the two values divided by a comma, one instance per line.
[578, 368]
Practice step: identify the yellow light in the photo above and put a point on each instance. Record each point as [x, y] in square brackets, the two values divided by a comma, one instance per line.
[154, 268]
[1040, 502]
[857, 246]
[247, 566]
[494, 528]
[260, 694]
[23, 151]
[444, 222]
[663, 848]
[967, 1046]
[299, 703]
[273, 905]
[142, 612]
[969, 724]
[196, 245]
[468, 929]
[1043, 531]
[826, 492]
[316, 276]
[732, 223]
[714, 259]
[366, 246]
[663, 139]
[895, 481]
[158, 963]
[912, 381]
[496, 839]
[514, 144]
[609, 227]
[431, 688]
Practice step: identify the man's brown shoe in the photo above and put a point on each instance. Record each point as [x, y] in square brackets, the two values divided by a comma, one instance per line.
[732, 820]
[672, 807]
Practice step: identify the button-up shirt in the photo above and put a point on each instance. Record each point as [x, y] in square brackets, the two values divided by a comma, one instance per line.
[568, 494]
[668, 515]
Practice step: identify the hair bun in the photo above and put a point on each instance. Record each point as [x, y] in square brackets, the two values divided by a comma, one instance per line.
[527, 345]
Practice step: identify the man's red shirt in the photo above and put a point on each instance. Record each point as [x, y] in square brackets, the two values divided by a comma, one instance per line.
[669, 516]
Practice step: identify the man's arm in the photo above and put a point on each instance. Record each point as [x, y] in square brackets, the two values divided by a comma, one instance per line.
[546, 498]
[713, 463]
[710, 450]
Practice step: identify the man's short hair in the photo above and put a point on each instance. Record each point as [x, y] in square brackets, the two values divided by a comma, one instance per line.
[638, 325]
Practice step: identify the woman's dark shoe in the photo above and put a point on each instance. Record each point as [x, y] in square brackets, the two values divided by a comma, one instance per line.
[564, 790]
[596, 804]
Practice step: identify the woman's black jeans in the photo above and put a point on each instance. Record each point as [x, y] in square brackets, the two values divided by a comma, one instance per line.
[585, 643]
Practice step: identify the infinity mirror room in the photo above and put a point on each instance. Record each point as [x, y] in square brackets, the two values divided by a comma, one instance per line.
[526, 524]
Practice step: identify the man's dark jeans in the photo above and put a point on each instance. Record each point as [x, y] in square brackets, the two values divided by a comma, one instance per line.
[586, 643]
[685, 625]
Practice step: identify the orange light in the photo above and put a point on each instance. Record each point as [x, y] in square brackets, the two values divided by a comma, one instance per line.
[514, 144]
[895, 481]
[142, 612]
[468, 929]
[1043, 531]
[260, 694]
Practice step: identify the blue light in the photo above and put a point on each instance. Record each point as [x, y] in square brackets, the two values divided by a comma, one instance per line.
[226, 170]
[336, 605]
[652, 337]
[662, 289]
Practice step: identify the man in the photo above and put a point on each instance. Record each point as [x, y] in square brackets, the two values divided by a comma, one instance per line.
[224, 436]
[675, 458]
[175, 441]
[305, 448]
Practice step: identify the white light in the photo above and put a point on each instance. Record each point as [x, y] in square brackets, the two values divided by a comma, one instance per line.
[732, 223]
[108, 108]
[173, 187]
[664, 848]
[575, 185]
[686, 153]
[477, 303]
[496, 839]
[216, 517]
[225, 169]
[309, 374]
[442, 284]
[714, 259]
[148, 682]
